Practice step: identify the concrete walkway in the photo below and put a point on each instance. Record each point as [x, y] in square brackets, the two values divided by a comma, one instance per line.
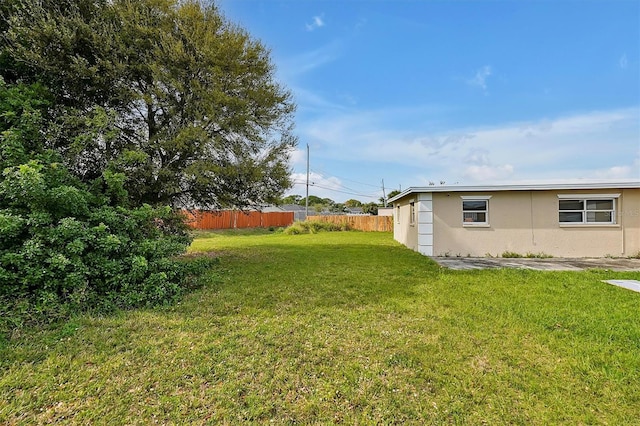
[551, 264]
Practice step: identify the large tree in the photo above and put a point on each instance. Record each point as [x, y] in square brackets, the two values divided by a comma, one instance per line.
[168, 92]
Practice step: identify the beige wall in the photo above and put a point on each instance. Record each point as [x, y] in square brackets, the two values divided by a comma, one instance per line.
[629, 217]
[404, 232]
[525, 222]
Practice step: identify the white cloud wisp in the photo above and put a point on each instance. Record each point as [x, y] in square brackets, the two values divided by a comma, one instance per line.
[316, 22]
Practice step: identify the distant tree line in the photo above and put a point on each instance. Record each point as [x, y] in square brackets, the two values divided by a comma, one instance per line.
[319, 205]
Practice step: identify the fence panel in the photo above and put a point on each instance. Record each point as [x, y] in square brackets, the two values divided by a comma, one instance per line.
[361, 223]
[228, 219]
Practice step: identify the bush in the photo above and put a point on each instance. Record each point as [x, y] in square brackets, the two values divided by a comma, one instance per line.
[67, 246]
[65, 250]
[313, 227]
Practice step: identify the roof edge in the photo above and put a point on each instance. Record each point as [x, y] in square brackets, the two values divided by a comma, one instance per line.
[516, 187]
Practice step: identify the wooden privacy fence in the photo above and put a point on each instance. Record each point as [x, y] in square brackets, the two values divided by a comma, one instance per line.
[361, 223]
[232, 219]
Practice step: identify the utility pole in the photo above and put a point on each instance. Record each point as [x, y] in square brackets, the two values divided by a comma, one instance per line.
[384, 195]
[306, 201]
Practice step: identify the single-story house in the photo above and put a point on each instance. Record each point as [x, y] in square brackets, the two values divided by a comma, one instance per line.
[299, 212]
[385, 211]
[560, 220]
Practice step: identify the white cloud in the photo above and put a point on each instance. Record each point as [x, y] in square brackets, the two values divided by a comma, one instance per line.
[478, 156]
[627, 171]
[480, 79]
[319, 185]
[298, 157]
[290, 68]
[623, 61]
[488, 172]
[316, 22]
[312, 101]
[362, 22]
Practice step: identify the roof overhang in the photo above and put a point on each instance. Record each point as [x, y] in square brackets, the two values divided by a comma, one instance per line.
[516, 187]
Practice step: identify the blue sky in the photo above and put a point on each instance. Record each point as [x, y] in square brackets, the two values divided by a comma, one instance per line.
[465, 92]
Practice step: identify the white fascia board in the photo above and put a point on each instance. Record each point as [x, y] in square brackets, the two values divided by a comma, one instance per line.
[535, 187]
[476, 197]
[590, 196]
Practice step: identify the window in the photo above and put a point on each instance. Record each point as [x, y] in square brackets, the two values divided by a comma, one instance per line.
[398, 214]
[475, 210]
[412, 213]
[587, 209]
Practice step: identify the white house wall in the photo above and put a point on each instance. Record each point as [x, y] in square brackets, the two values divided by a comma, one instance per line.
[403, 231]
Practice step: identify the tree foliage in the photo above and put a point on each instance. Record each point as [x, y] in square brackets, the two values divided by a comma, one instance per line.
[291, 199]
[353, 203]
[166, 92]
[370, 208]
[66, 246]
[393, 193]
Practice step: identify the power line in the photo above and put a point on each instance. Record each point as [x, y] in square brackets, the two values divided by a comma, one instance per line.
[336, 190]
[345, 192]
[328, 188]
[354, 191]
[350, 180]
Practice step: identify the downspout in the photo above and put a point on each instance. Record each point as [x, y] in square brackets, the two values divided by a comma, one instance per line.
[620, 218]
[533, 234]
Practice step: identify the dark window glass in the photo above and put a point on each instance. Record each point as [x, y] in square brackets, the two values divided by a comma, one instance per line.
[571, 217]
[571, 204]
[471, 217]
[599, 217]
[474, 205]
[599, 204]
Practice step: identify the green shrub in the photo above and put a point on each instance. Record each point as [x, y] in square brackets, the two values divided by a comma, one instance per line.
[313, 227]
[64, 249]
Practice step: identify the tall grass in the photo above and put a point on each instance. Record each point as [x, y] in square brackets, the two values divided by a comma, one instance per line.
[313, 227]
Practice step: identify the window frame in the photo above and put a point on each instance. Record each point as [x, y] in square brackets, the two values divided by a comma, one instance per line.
[483, 198]
[585, 210]
[412, 213]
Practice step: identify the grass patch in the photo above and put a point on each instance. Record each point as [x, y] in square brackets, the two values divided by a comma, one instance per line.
[238, 232]
[341, 328]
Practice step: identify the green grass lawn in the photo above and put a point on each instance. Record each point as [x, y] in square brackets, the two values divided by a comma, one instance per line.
[341, 328]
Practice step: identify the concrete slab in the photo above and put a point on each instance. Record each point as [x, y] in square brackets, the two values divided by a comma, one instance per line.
[628, 284]
[551, 264]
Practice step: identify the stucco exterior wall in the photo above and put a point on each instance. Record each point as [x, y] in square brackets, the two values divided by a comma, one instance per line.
[403, 231]
[527, 222]
[629, 217]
